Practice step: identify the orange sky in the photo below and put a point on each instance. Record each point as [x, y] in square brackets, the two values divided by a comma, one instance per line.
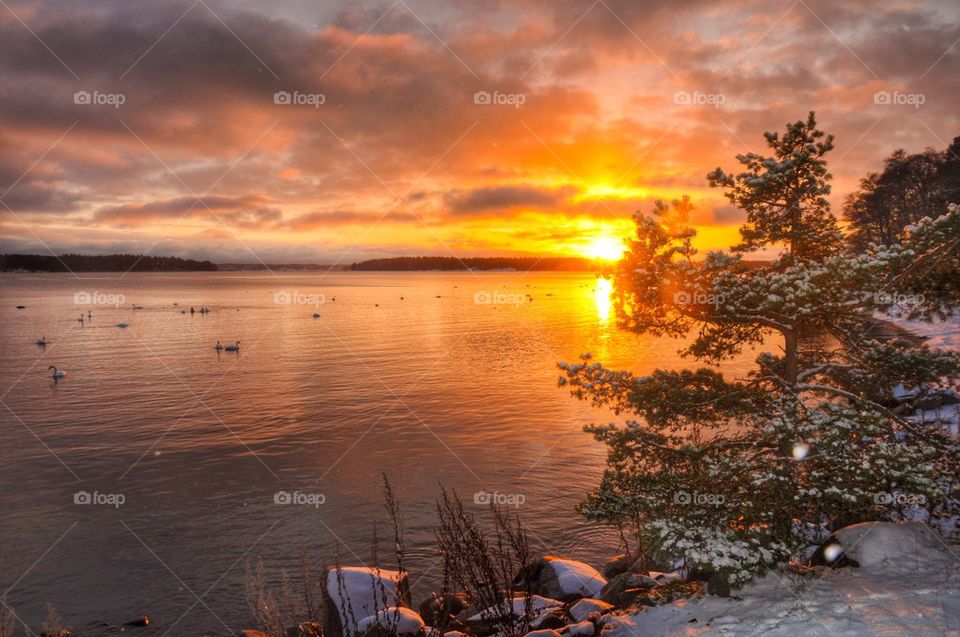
[481, 127]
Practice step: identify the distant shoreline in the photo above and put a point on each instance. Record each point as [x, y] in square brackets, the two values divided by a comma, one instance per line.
[33, 263]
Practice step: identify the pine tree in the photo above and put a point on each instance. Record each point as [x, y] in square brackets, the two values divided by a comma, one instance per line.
[733, 475]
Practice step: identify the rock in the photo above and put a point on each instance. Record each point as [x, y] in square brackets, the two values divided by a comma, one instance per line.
[143, 620]
[936, 399]
[582, 609]
[893, 545]
[580, 629]
[392, 622]
[442, 611]
[718, 584]
[454, 633]
[622, 590]
[620, 564]
[354, 593]
[482, 621]
[542, 633]
[620, 626]
[561, 579]
[552, 618]
[252, 633]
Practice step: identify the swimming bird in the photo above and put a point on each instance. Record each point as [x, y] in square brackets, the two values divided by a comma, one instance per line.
[42, 342]
[56, 372]
[218, 346]
[316, 315]
[121, 324]
[233, 348]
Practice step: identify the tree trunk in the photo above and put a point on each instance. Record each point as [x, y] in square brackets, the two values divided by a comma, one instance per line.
[791, 356]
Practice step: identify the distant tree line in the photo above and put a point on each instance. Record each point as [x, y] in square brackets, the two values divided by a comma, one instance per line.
[909, 188]
[476, 263]
[103, 263]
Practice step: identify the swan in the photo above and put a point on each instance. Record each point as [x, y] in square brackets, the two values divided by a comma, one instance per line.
[218, 346]
[56, 372]
[137, 307]
[42, 342]
[316, 315]
[233, 348]
[121, 324]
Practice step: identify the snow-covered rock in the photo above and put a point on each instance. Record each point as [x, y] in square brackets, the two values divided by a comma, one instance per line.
[395, 622]
[357, 593]
[893, 545]
[542, 633]
[563, 579]
[580, 629]
[582, 609]
[517, 607]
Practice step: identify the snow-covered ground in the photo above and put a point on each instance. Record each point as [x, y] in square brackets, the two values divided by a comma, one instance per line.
[942, 334]
[905, 587]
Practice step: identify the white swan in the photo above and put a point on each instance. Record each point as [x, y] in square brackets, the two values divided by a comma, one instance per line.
[56, 372]
[218, 346]
[42, 342]
[233, 348]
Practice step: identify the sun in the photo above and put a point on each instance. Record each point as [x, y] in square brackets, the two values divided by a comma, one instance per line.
[605, 248]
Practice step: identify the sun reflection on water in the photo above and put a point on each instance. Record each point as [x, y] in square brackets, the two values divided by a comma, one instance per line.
[601, 296]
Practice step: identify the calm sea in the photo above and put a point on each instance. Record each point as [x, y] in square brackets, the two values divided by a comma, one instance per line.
[431, 378]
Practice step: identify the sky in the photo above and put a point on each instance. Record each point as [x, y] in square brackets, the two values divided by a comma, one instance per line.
[329, 132]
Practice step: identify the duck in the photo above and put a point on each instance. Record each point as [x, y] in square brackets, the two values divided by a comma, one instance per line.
[233, 348]
[56, 372]
[121, 325]
[316, 315]
[42, 341]
[218, 346]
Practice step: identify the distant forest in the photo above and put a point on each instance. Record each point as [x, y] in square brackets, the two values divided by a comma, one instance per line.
[476, 263]
[104, 263]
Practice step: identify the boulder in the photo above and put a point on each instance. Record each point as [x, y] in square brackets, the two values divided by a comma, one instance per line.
[893, 545]
[482, 621]
[306, 629]
[392, 622]
[561, 579]
[442, 610]
[580, 629]
[551, 618]
[353, 593]
[623, 590]
[582, 609]
[620, 564]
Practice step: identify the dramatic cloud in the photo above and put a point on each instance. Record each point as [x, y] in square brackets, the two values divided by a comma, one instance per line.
[309, 130]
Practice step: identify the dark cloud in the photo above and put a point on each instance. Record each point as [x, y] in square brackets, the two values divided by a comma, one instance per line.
[505, 198]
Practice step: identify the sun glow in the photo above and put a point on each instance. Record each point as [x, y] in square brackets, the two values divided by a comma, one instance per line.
[605, 248]
[601, 296]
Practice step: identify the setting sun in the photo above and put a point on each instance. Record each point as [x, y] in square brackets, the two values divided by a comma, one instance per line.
[606, 248]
